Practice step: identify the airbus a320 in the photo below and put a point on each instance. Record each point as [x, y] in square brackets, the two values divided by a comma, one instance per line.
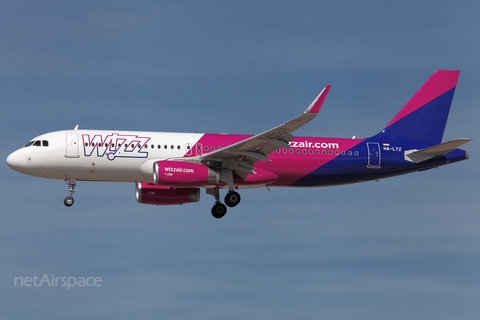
[170, 168]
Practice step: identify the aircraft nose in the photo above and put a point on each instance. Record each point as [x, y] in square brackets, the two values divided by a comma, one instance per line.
[13, 160]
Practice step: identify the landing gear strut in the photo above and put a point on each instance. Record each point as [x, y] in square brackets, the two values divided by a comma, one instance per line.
[218, 209]
[72, 183]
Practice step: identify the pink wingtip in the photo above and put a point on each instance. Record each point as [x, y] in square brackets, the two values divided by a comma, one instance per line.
[318, 102]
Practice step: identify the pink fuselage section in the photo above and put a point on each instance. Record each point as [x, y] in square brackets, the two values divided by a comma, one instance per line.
[288, 164]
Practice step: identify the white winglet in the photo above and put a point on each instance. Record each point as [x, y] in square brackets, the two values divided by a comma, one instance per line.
[318, 102]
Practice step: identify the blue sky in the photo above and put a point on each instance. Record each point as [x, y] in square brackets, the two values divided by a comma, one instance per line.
[406, 247]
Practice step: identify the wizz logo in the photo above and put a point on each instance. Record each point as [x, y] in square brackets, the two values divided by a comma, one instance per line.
[115, 146]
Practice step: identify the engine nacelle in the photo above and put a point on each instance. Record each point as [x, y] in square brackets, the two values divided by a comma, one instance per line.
[183, 174]
[148, 193]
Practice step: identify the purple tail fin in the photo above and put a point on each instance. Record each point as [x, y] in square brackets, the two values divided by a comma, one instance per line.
[425, 115]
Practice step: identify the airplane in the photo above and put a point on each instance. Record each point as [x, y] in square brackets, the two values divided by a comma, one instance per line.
[170, 168]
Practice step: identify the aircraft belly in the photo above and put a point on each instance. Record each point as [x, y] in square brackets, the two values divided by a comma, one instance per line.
[95, 170]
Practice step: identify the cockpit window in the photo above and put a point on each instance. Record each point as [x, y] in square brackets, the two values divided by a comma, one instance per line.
[38, 143]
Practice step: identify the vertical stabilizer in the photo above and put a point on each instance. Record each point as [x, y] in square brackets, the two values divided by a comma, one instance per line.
[425, 115]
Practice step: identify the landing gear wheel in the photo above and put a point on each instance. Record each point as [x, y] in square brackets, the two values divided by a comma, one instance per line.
[232, 199]
[68, 201]
[219, 210]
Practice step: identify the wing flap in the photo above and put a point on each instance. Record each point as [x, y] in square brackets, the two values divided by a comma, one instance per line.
[251, 154]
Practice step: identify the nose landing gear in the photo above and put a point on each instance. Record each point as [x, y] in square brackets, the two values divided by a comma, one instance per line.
[72, 183]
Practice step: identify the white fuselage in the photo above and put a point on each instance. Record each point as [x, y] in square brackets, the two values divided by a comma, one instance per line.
[100, 155]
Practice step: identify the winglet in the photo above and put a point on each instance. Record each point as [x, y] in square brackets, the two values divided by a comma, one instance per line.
[317, 103]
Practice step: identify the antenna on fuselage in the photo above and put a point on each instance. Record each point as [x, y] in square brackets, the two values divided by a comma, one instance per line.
[76, 127]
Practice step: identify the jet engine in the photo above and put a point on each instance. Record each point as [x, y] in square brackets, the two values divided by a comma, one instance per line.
[184, 174]
[148, 193]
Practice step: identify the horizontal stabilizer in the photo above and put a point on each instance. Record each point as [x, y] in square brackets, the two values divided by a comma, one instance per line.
[441, 149]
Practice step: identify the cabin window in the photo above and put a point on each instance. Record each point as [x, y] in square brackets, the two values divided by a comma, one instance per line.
[356, 153]
[349, 153]
[178, 147]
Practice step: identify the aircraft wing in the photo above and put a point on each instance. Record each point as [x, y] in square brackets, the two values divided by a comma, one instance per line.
[242, 155]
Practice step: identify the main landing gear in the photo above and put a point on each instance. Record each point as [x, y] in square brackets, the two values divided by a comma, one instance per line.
[231, 199]
[72, 183]
[219, 209]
